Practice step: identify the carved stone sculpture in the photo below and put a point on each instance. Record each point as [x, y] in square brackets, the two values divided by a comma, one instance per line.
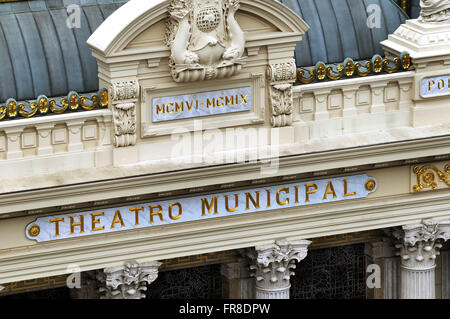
[205, 39]
[272, 266]
[128, 281]
[435, 10]
[124, 98]
[282, 77]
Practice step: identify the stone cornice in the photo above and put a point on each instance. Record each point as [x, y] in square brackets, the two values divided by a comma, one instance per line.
[132, 186]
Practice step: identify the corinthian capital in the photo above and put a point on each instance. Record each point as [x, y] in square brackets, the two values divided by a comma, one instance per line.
[272, 266]
[418, 245]
[128, 281]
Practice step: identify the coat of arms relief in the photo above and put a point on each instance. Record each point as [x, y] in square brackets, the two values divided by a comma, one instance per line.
[205, 39]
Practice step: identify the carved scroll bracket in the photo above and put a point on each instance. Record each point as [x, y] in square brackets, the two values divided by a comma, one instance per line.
[282, 77]
[124, 98]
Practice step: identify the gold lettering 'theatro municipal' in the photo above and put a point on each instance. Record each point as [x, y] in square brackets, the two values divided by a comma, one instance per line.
[258, 200]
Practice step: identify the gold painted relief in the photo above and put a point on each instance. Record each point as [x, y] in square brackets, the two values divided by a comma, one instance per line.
[431, 177]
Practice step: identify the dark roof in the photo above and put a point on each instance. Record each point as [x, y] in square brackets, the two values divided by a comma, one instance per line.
[339, 30]
[40, 55]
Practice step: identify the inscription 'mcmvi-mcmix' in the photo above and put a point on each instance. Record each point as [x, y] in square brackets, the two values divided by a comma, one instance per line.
[202, 104]
[272, 198]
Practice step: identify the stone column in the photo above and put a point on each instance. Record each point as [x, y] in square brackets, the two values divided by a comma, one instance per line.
[128, 281]
[272, 266]
[418, 245]
[445, 274]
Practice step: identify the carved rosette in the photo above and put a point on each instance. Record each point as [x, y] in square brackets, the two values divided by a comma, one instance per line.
[281, 77]
[205, 39]
[124, 99]
[272, 266]
[128, 281]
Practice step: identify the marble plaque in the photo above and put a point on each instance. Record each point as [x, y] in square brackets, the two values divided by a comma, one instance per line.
[199, 208]
[202, 104]
[435, 86]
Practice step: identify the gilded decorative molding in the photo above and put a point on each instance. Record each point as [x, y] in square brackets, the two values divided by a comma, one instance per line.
[124, 96]
[205, 39]
[73, 102]
[350, 68]
[427, 176]
[281, 77]
[404, 5]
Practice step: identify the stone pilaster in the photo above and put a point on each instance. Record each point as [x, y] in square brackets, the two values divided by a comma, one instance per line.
[124, 99]
[445, 264]
[237, 283]
[89, 287]
[382, 254]
[272, 266]
[282, 76]
[418, 245]
[128, 281]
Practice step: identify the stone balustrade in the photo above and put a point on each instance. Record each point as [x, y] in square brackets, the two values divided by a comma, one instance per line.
[355, 105]
[54, 143]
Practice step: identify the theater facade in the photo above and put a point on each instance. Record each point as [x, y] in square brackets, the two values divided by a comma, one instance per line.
[215, 149]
